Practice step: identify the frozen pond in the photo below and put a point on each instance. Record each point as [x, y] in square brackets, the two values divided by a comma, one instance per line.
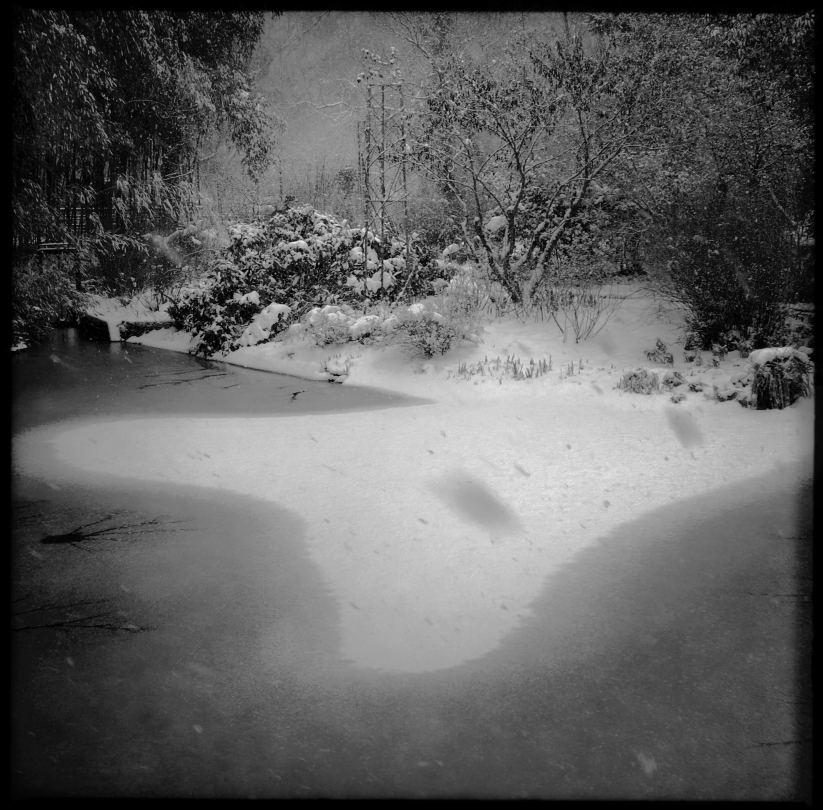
[69, 377]
[176, 641]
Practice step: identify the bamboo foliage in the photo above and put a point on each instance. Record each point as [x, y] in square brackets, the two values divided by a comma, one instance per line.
[109, 111]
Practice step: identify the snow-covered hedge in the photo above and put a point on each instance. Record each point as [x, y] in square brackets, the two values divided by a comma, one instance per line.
[300, 259]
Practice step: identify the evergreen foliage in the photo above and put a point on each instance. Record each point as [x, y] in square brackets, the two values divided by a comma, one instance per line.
[108, 110]
[41, 293]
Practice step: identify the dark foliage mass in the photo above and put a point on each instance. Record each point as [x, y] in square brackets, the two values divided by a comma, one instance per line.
[781, 382]
[42, 292]
[108, 111]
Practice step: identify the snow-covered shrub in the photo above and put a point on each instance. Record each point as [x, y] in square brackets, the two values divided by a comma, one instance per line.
[330, 325]
[465, 291]
[219, 314]
[691, 349]
[745, 347]
[723, 394]
[298, 257]
[742, 378]
[639, 381]
[800, 326]
[455, 252]
[338, 366]
[781, 377]
[729, 264]
[422, 268]
[260, 328]
[40, 296]
[677, 396]
[745, 397]
[672, 379]
[368, 327]
[660, 353]
[161, 261]
[463, 300]
[336, 325]
[719, 351]
[422, 332]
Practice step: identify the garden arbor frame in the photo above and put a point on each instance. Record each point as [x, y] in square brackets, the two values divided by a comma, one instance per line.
[382, 152]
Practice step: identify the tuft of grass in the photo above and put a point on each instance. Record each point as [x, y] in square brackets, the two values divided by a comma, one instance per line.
[512, 367]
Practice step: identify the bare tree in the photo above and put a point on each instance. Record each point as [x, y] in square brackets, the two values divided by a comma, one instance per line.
[526, 138]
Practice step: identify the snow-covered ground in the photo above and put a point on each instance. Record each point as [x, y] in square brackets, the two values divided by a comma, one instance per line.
[436, 526]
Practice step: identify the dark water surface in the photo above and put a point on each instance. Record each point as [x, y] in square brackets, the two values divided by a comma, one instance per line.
[172, 641]
[69, 377]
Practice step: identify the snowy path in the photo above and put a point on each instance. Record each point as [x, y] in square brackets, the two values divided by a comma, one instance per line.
[435, 526]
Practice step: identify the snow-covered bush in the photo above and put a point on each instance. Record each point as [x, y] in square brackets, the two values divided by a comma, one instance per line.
[463, 300]
[745, 347]
[722, 394]
[422, 332]
[672, 379]
[639, 381]
[660, 353]
[729, 264]
[745, 398]
[219, 313]
[40, 296]
[800, 325]
[260, 328]
[331, 324]
[298, 257]
[704, 282]
[781, 377]
[742, 378]
[719, 351]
